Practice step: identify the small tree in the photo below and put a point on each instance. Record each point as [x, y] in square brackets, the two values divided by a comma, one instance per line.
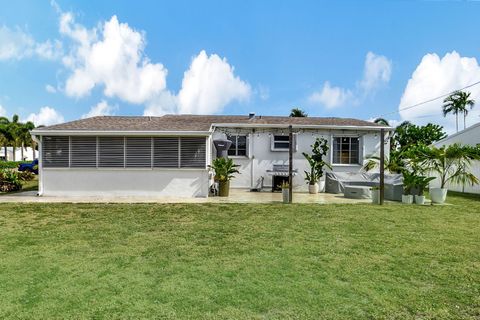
[315, 160]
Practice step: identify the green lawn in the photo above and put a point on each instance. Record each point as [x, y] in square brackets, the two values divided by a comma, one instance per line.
[240, 261]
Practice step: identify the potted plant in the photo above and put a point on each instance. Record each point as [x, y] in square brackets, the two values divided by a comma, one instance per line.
[285, 192]
[224, 170]
[408, 184]
[451, 165]
[375, 195]
[421, 183]
[316, 162]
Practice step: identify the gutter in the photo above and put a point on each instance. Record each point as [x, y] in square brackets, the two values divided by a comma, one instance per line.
[300, 126]
[118, 133]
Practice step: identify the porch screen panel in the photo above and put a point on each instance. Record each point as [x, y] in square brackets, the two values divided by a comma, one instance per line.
[165, 152]
[55, 152]
[110, 152]
[193, 152]
[84, 152]
[139, 152]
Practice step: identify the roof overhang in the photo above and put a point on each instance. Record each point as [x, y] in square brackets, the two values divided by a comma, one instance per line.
[301, 126]
[119, 133]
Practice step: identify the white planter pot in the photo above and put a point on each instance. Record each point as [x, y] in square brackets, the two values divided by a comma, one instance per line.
[420, 199]
[285, 196]
[321, 186]
[407, 198]
[376, 196]
[313, 188]
[438, 195]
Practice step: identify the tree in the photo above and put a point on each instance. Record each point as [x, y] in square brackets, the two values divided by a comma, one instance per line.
[316, 161]
[456, 103]
[408, 134]
[25, 137]
[5, 136]
[382, 121]
[298, 113]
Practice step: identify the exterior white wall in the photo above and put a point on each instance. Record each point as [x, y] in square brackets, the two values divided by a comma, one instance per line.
[125, 182]
[262, 158]
[27, 154]
[469, 136]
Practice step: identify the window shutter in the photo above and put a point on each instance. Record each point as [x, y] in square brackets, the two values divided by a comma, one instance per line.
[55, 152]
[193, 152]
[294, 139]
[84, 152]
[165, 152]
[111, 152]
[138, 152]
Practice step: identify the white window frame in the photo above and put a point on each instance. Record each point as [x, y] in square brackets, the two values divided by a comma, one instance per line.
[235, 143]
[360, 146]
[272, 143]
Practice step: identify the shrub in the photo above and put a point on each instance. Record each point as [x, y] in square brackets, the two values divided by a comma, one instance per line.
[11, 164]
[25, 175]
[9, 180]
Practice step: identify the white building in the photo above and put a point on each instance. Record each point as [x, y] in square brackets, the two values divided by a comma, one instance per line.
[169, 155]
[469, 136]
[27, 154]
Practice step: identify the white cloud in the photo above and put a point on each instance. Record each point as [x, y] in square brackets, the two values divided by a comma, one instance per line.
[46, 116]
[377, 72]
[435, 76]
[3, 112]
[51, 89]
[210, 84]
[330, 96]
[17, 44]
[165, 102]
[113, 59]
[101, 109]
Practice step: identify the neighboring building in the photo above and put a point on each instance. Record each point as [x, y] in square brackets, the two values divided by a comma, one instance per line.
[27, 154]
[469, 136]
[169, 155]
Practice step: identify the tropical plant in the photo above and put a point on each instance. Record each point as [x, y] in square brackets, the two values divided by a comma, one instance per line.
[451, 163]
[224, 169]
[421, 183]
[408, 182]
[9, 180]
[381, 121]
[395, 163]
[407, 135]
[315, 160]
[458, 102]
[298, 113]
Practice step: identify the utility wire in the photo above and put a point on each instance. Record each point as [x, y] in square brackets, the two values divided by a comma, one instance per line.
[427, 101]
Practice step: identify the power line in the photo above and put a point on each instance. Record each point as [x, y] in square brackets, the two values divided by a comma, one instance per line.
[430, 100]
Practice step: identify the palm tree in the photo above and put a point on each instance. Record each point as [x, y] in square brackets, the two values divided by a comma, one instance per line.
[298, 113]
[5, 136]
[14, 127]
[25, 137]
[382, 121]
[456, 103]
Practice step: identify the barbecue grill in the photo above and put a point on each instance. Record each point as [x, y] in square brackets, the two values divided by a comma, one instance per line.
[279, 174]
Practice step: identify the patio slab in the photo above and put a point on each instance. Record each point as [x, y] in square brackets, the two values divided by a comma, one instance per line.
[236, 196]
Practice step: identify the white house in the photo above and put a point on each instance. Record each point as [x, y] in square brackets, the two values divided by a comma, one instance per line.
[169, 155]
[28, 154]
[469, 136]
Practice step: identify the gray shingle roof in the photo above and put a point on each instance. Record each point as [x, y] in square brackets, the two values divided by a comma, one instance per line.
[193, 122]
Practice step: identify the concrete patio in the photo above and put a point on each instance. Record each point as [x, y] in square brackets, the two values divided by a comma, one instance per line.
[236, 196]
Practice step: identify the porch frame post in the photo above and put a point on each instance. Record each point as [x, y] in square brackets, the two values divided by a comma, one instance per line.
[290, 164]
[382, 165]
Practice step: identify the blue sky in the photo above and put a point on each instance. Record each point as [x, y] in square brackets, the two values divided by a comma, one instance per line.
[331, 58]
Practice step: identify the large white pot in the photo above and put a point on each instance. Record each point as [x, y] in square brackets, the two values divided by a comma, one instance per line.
[407, 198]
[285, 195]
[376, 196]
[438, 195]
[321, 186]
[420, 199]
[313, 188]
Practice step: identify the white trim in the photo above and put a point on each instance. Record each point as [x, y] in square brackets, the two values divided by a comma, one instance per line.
[294, 126]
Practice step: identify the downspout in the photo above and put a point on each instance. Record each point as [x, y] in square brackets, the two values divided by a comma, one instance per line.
[38, 141]
[252, 159]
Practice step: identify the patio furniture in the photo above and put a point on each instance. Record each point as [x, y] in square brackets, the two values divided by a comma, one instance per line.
[357, 192]
[335, 182]
[279, 174]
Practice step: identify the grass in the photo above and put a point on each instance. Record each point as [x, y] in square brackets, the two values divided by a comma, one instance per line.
[235, 261]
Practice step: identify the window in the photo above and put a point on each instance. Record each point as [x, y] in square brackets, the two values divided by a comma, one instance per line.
[281, 142]
[239, 145]
[193, 152]
[138, 152]
[111, 152]
[55, 152]
[346, 150]
[165, 152]
[83, 152]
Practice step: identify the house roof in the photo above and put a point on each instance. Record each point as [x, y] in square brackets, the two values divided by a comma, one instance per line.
[197, 123]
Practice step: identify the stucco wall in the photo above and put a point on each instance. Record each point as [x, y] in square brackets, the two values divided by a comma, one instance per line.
[262, 158]
[125, 182]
